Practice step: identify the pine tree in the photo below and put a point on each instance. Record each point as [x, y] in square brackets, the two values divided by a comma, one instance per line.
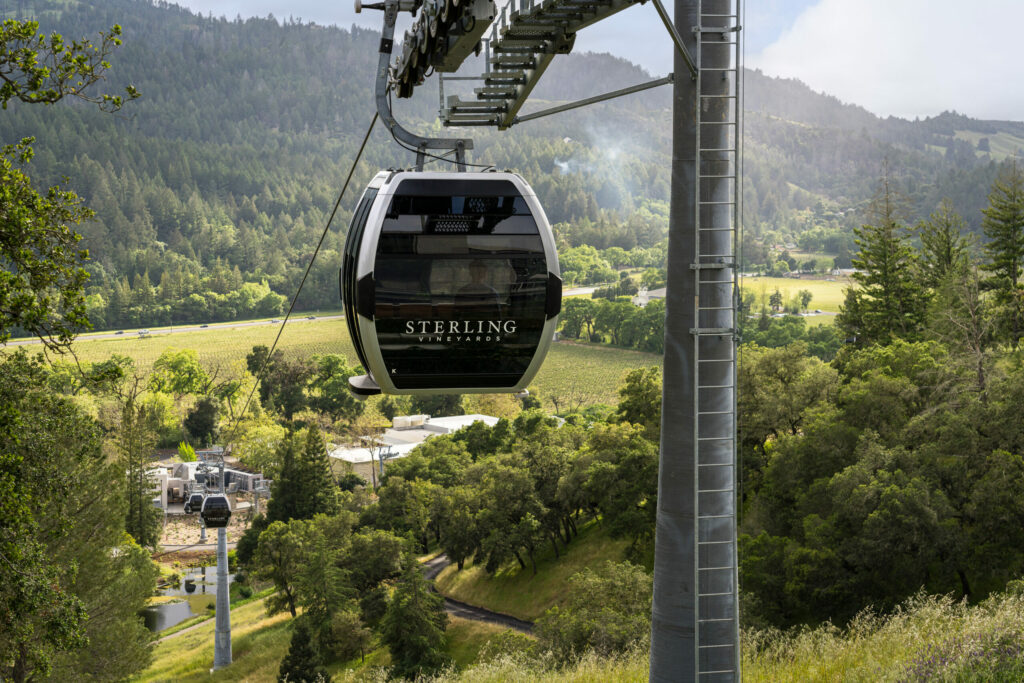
[889, 300]
[285, 491]
[320, 493]
[414, 625]
[944, 250]
[1004, 226]
[302, 664]
[304, 487]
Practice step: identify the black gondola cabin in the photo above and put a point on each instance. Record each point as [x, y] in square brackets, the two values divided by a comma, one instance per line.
[216, 511]
[450, 283]
[194, 503]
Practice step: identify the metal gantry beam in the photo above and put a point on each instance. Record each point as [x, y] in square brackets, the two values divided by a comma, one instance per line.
[524, 38]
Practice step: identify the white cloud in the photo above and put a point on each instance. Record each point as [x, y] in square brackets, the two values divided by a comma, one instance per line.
[908, 57]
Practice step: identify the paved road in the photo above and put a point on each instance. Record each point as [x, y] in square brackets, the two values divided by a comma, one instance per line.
[461, 609]
[130, 334]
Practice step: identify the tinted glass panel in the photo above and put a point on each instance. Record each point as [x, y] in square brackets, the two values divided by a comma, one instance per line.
[459, 310]
[460, 214]
[352, 244]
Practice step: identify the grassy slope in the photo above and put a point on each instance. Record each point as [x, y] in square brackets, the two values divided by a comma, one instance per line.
[259, 643]
[518, 592]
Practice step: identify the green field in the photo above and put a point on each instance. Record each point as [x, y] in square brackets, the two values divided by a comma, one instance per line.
[1003, 145]
[827, 295]
[596, 371]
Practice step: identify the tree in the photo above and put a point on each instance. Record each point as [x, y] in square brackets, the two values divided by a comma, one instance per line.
[1004, 226]
[962, 318]
[640, 400]
[437, 405]
[179, 373]
[413, 628]
[39, 249]
[283, 382]
[201, 421]
[329, 385]
[889, 300]
[303, 663]
[944, 250]
[135, 442]
[805, 298]
[775, 300]
[578, 317]
[607, 610]
[280, 558]
[304, 485]
[71, 581]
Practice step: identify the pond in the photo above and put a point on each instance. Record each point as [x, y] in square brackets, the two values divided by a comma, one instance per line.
[198, 590]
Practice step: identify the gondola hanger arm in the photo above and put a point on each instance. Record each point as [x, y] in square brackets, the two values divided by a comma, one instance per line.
[421, 144]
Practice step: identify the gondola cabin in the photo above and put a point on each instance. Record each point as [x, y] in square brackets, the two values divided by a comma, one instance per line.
[216, 511]
[194, 503]
[450, 283]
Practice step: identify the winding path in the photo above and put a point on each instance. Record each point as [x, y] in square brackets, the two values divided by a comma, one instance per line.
[456, 608]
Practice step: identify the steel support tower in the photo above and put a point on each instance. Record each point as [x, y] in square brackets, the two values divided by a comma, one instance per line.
[695, 625]
[222, 628]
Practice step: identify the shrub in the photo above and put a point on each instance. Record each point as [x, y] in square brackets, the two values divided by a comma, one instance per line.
[607, 610]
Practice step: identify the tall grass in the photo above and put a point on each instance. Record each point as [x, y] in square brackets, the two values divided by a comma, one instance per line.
[929, 638]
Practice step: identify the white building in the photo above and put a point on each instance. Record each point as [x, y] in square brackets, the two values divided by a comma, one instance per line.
[405, 433]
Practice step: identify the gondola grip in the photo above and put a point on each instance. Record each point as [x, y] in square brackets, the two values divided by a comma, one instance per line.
[553, 305]
[366, 299]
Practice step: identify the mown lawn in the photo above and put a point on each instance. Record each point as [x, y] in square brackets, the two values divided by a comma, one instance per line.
[827, 295]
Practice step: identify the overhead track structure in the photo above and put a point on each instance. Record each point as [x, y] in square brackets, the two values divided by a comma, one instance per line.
[524, 37]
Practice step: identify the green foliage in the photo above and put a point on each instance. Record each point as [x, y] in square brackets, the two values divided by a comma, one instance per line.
[186, 453]
[135, 441]
[413, 628]
[607, 610]
[640, 401]
[944, 249]
[179, 373]
[201, 421]
[257, 445]
[40, 251]
[890, 301]
[304, 486]
[437, 405]
[1004, 226]
[329, 388]
[822, 341]
[584, 266]
[280, 558]
[71, 582]
[303, 663]
[39, 248]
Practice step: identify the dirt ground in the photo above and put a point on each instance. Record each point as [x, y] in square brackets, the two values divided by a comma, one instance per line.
[184, 529]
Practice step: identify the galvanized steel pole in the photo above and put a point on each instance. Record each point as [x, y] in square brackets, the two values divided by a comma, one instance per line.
[222, 631]
[694, 627]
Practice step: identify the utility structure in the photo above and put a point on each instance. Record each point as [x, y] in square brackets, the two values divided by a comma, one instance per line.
[695, 625]
[215, 513]
[695, 621]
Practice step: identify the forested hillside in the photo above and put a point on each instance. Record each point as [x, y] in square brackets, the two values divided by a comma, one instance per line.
[211, 190]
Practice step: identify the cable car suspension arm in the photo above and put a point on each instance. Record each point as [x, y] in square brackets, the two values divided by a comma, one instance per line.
[419, 143]
[595, 99]
[676, 38]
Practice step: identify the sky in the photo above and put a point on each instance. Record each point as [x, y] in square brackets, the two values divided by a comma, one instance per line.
[907, 58]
